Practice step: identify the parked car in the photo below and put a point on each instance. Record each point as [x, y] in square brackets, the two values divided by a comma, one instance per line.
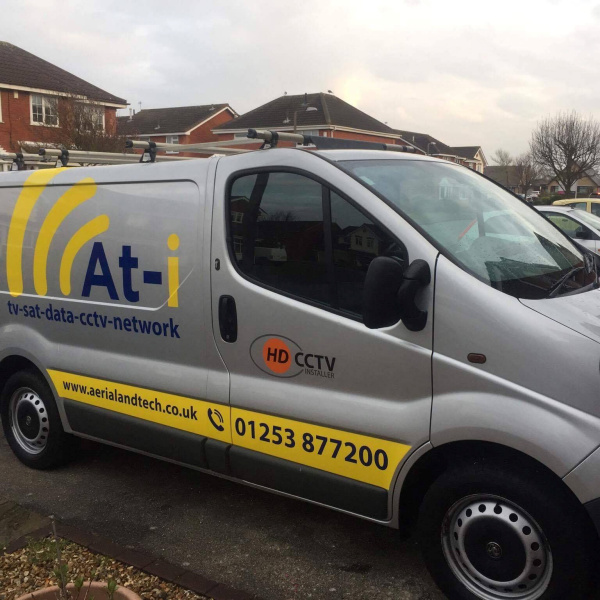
[425, 353]
[582, 226]
[591, 205]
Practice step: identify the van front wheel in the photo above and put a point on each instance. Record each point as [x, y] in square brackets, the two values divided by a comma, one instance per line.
[31, 422]
[490, 533]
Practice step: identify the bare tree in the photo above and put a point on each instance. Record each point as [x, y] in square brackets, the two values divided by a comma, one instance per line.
[568, 146]
[282, 215]
[502, 158]
[528, 172]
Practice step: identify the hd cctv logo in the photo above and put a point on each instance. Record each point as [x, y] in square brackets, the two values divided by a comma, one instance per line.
[98, 273]
[282, 357]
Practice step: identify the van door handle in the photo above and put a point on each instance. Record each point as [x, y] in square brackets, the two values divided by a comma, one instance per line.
[228, 319]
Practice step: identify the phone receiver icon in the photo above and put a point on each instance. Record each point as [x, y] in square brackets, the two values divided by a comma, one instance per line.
[219, 417]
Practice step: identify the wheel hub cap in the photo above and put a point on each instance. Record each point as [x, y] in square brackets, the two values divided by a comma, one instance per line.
[496, 549]
[29, 420]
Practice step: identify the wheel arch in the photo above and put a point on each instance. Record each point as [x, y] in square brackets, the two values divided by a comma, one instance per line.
[430, 465]
[14, 363]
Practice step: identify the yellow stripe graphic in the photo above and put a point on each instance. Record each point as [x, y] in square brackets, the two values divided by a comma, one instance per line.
[352, 455]
[80, 192]
[33, 187]
[142, 403]
[173, 271]
[82, 236]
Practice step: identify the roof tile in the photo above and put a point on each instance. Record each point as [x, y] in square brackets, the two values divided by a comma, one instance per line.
[160, 121]
[21, 68]
[330, 110]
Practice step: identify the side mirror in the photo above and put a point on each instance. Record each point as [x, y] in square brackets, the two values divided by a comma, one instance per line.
[380, 306]
[390, 292]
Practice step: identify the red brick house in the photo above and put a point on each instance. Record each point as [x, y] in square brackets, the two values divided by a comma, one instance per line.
[177, 125]
[31, 93]
[468, 156]
[311, 114]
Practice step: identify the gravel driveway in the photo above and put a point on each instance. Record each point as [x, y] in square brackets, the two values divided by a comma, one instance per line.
[268, 545]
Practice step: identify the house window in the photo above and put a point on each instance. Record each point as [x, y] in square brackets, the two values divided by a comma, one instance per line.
[172, 139]
[583, 191]
[554, 189]
[90, 117]
[96, 116]
[44, 110]
[370, 242]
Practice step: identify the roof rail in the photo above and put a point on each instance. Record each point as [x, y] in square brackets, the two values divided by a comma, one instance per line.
[50, 155]
[323, 143]
[151, 148]
[20, 160]
[98, 158]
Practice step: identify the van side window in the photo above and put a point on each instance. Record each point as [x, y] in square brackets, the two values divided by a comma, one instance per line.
[277, 233]
[356, 242]
[292, 234]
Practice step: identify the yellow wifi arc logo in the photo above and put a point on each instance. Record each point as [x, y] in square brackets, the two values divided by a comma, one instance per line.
[32, 190]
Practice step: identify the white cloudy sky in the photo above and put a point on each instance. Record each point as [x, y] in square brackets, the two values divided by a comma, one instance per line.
[466, 71]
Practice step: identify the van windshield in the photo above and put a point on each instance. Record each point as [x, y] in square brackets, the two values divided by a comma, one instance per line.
[478, 225]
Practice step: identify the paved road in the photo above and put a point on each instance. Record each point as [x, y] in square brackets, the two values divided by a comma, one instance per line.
[265, 544]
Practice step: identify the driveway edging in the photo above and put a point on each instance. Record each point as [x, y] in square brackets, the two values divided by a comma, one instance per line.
[143, 561]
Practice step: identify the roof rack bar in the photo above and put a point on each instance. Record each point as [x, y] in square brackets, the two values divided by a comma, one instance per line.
[99, 157]
[323, 143]
[200, 148]
[20, 159]
[272, 137]
[74, 161]
[13, 155]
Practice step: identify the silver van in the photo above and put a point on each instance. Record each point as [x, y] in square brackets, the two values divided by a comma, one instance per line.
[386, 334]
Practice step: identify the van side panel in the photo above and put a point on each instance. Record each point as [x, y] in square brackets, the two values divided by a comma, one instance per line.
[104, 280]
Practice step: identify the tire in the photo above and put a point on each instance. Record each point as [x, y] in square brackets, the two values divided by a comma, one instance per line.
[32, 424]
[480, 524]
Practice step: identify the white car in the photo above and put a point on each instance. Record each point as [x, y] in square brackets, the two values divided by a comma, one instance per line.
[582, 226]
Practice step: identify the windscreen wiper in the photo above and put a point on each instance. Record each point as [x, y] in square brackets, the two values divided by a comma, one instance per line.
[558, 286]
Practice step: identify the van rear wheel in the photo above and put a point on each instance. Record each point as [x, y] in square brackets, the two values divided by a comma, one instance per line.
[490, 533]
[31, 422]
